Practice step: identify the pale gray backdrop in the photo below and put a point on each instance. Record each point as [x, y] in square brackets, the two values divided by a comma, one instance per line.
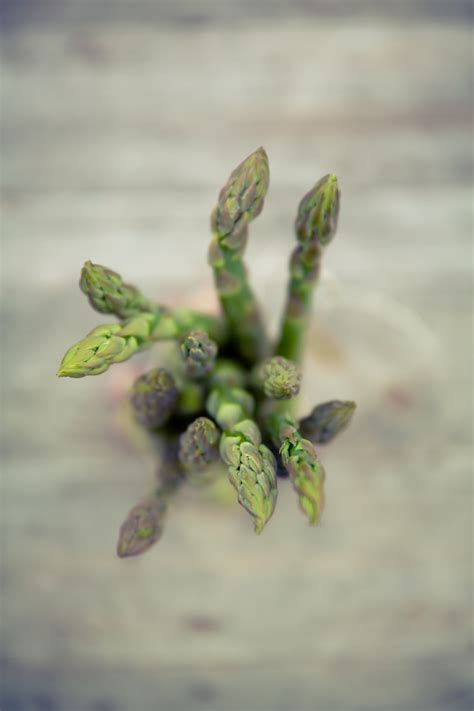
[121, 120]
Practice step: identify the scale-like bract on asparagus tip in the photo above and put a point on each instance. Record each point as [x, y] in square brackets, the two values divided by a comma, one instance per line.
[318, 212]
[199, 445]
[154, 396]
[280, 378]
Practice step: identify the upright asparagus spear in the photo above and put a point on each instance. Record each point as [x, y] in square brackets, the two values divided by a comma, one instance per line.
[315, 226]
[327, 420]
[240, 201]
[108, 293]
[116, 342]
[300, 459]
[251, 465]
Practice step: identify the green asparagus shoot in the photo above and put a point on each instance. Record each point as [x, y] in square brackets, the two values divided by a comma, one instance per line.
[315, 226]
[236, 414]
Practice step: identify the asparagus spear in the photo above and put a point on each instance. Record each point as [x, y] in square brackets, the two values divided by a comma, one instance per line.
[199, 445]
[315, 226]
[327, 420]
[154, 396]
[240, 201]
[116, 342]
[300, 459]
[251, 465]
[108, 293]
[198, 352]
[279, 378]
[145, 521]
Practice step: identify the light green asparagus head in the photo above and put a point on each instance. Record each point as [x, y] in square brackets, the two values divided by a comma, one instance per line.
[280, 378]
[252, 471]
[154, 396]
[199, 445]
[316, 221]
[306, 472]
[241, 200]
[107, 344]
[142, 527]
[96, 351]
[327, 420]
[108, 294]
[198, 352]
[228, 406]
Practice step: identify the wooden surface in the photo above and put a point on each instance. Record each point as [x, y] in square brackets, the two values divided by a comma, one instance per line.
[120, 122]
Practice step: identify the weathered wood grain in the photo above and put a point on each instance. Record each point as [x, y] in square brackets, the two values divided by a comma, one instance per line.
[120, 121]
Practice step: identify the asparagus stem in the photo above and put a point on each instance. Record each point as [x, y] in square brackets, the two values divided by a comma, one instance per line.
[327, 420]
[300, 459]
[116, 342]
[240, 201]
[315, 226]
[251, 465]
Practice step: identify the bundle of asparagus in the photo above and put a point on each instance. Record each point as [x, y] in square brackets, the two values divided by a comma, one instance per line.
[233, 391]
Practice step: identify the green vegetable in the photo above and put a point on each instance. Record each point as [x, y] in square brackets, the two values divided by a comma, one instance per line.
[300, 459]
[238, 409]
[315, 226]
[240, 201]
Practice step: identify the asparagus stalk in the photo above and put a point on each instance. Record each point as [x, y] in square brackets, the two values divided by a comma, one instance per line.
[300, 459]
[240, 201]
[251, 465]
[279, 378]
[154, 397]
[145, 522]
[327, 420]
[114, 343]
[315, 226]
[108, 294]
[198, 352]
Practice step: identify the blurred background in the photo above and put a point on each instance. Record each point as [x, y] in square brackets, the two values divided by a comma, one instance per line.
[121, 120]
